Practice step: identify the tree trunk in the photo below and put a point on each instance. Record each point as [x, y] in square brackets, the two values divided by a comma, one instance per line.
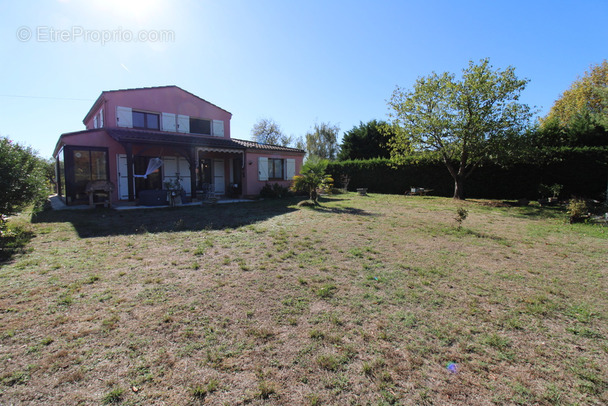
[459, 187]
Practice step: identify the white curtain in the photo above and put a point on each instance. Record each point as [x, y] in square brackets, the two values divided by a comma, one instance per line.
[153, 165]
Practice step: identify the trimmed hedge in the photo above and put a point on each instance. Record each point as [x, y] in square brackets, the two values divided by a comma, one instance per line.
[582, 172]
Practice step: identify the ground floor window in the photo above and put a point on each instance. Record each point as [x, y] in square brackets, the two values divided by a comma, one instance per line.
[275, 169]
[82, 165]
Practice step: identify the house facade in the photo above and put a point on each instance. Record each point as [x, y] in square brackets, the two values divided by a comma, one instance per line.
[143, 139]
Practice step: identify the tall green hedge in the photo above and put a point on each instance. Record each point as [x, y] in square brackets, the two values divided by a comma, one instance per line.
[582, 172]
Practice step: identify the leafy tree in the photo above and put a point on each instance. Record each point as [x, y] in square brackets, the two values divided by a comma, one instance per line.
[366, 141]
[267, 131]
[312, 177]
[23, 177]
[299, 142]
[465, 121]
[586, 96]
[323, 141]
[580, 116]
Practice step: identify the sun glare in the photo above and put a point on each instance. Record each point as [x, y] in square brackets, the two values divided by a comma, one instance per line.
[129, 11]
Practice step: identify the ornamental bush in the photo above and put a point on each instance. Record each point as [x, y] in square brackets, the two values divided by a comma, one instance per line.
[312, 177]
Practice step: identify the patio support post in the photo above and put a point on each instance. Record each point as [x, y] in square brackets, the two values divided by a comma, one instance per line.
[130, 177]
[193, 163]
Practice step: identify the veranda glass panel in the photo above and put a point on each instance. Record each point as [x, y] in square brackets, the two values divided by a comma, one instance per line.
[98, 165]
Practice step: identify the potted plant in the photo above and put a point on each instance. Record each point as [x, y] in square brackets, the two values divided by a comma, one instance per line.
[174, 192]
[549, 194]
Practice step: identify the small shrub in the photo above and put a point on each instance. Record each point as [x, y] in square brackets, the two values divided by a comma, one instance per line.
[461, 215]
[578, 210]
[274, 191]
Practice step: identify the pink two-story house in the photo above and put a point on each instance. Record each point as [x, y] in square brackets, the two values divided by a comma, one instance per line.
[130, 132]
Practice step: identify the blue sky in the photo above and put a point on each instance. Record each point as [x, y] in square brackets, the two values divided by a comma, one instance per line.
[297, 62]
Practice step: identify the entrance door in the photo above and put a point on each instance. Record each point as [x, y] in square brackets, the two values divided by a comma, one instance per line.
[123, 179]
[218, 176]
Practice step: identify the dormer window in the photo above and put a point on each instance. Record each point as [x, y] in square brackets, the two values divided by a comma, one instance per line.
[149, 121]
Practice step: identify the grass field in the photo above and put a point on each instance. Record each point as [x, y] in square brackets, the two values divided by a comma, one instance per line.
[372, 300]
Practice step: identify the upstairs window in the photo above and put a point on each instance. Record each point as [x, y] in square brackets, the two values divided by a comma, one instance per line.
[149, 121]
[198, 126]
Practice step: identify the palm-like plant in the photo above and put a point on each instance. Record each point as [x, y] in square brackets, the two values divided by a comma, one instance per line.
[312, 177]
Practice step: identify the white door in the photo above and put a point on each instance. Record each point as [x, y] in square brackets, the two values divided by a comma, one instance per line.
[177, 168]
[184, 174]
[123, 178]
[170, 170]
[218, 176]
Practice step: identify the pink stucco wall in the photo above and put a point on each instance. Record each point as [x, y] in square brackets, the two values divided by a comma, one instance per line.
[168, 99]
[252, 184]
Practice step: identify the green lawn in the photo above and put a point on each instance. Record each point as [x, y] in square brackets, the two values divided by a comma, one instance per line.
[364, 300]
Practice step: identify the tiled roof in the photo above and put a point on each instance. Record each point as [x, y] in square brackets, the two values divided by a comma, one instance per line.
[166, 138]
[162, 137]
[266, 147]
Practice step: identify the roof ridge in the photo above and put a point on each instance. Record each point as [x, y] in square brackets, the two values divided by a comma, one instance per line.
[95, 103]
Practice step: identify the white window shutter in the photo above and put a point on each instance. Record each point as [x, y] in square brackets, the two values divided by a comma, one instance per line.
[95, 123]
[290, 168]
[168, 122]
[262, 168]
[101, 118]
[218, 128]
[183, 123]
[124, 117]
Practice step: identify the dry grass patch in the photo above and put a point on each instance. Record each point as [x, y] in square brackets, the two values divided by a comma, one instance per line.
[356, 301]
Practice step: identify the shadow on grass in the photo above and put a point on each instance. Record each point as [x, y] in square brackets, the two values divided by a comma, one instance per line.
[13, 243]
[343, 210]
[338, 210]
[542, 212]
[467, 231]
[108, 222]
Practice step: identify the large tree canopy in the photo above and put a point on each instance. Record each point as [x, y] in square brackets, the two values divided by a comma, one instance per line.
[585, 97]
[466, 121]
[579, 118]
[366, 141]
[322, 141]
[267, 131]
